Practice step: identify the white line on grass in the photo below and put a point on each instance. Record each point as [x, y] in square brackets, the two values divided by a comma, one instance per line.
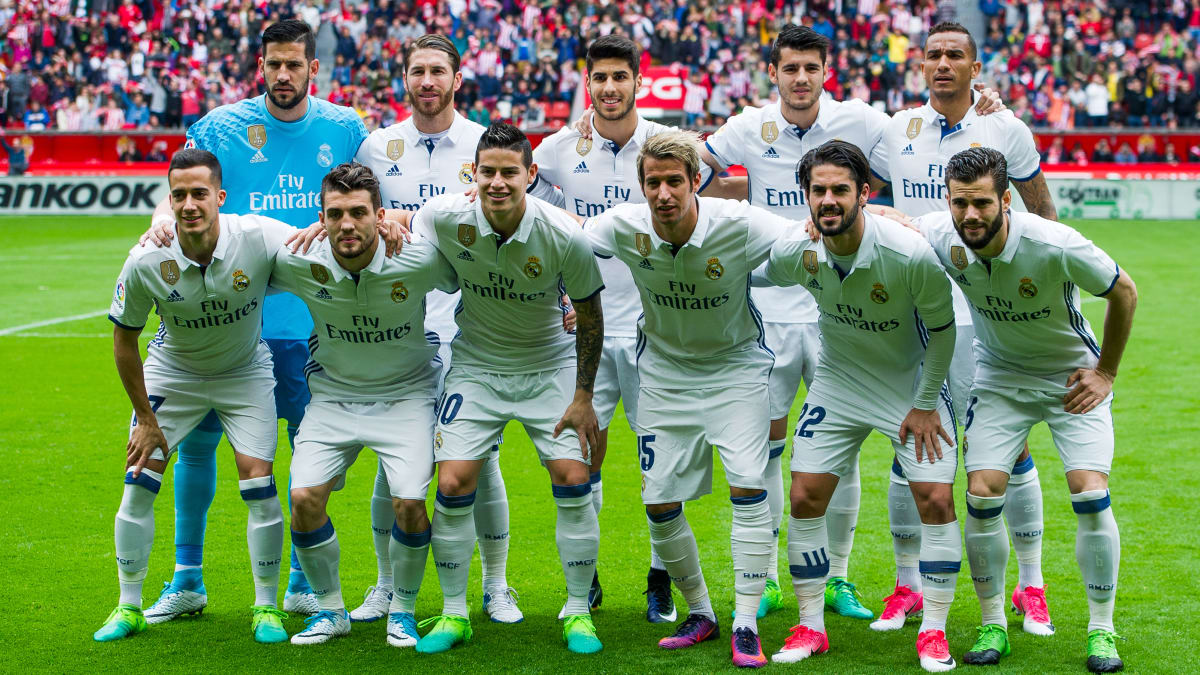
[51, 322]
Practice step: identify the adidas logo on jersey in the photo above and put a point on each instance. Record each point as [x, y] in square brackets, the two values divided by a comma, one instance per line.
[258, 157]
[962, 279]
[394, 171]
[771, 154]
[645, 264]
[815, 285]
[174, 297]
[466, 255]
[324, 295]
[908, 150]
[581, 168]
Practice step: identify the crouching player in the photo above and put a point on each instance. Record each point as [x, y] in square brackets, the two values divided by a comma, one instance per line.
[373, 378]
[1038, 361]
[207, 288]
[887, 337]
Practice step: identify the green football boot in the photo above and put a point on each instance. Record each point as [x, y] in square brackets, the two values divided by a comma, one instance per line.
[842, 597]
[124, 621]
[991, 644]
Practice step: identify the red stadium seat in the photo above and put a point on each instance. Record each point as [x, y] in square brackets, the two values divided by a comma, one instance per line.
[558, 110]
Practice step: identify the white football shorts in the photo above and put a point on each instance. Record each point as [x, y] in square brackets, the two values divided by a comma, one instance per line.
[616, 380]
[796, 346]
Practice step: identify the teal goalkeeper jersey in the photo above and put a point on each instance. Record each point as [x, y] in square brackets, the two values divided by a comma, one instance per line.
[274, 169]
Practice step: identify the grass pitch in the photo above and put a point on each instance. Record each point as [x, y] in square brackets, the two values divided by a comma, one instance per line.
[64, 418]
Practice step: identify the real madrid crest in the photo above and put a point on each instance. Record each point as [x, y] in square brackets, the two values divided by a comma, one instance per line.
[641, 241]
[958, 256]
[809, 260]
[976, 145]
[715, 270]
[240, 281]
[169, 269]
[256, 136]
[464, 174]
[395, 149]
[583, 146]
[399, 292]
[914, 128]
[878, 294]
[770, 132]
[437, 441]
[1027, 289]
[466, 234]
[325, 155]
[319, 272]
[533, 268]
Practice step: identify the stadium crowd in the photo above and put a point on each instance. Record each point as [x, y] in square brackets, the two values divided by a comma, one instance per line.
[147, 64]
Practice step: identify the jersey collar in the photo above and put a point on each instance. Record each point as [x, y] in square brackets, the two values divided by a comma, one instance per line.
[826, 112]
[1015, 230]
[339, 273]
[639, 134]
[294, 127]
[523, 228]
[218, 253]
[408, 129]
[934, 117]
[865, 255]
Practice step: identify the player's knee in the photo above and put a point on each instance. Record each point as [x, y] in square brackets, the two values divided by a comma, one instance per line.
[307, 505]
[1085, 481]
[805, 503]
[987, 483]
[779, 429]
[410, 514]
[251, 467]
[660, 509]
[935, 502]
[455, 483]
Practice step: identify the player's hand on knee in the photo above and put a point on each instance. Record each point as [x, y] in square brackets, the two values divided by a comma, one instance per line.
[926, 427]
[161, 232]
[301, 240]
[581, 417]
[145, 439]
[584, 124]
[989, 101]
[1089, 389]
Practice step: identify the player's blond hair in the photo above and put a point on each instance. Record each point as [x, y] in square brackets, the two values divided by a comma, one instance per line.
[678, 145]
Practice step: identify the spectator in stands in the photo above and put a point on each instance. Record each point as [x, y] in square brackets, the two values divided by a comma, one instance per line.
[111, 116]
[1147, 152]
[1055, 153]
[158, 152]
[695, 94]
[36, 117]
[1079, 155]
[19, 84]
[1137, 106]
[1183, 108]
[1097, 101]
[479, 114]
[18, 157]
[1125, 155]
[1102, 154]
[1169, 155]
[127, 150]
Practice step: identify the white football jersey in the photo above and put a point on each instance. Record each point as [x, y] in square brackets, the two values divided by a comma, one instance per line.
[411, 174]
[875, 315]
[1029, 332]
[510, 316]
[211, 316]
[595, 175]
[771, 148]
[369, 341]
[699, 325]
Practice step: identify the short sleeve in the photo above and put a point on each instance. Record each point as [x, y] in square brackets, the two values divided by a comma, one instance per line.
[544, 156]
[580, 273]
[783, 264]
[363, 154]
[422, 223]
[199, 136]
[274, 232]
[544, 190]
[601, 231]
[930, 289]
[724, 145]
[283, 276]
[876, 130]
[763, 230]
[442, 275]
[1087, 266]
[358, 134]
[1022, 156]
[130, 303]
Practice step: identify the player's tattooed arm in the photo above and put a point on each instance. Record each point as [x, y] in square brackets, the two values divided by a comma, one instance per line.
[589, 341]
[1036, 195]
[1090, 386]
[146, 435]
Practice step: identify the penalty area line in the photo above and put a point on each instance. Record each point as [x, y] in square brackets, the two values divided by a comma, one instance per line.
[51, 322]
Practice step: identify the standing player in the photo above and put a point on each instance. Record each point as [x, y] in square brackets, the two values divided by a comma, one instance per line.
[275, 148]
[916, 147]
[373, 379]
[427, 155]
[515, 258]
[1038, 361]
[887, 326]
[702, 367]
[208, 290]
[768, 141]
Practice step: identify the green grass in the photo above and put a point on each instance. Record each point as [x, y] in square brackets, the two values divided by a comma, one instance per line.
[64, 418]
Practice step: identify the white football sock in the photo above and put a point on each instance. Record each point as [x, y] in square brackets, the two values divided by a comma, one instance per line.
[264, 536]
[577, 533]
[1023, 511]
[775, 494]
[383, 515]
[752, 542]
[905, 524]
[987, 551]
[841, 517]
[941, 558]
[407, 553]
[133, 533]
[597, 492]
[1098, 552]
[491, 523]
[808, 561]
[319, 555]
[672, 538]
[453, 542]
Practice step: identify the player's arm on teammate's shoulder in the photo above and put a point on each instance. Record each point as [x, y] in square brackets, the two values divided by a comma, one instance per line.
[1090, 386]
[726, 187]
[1035, 193]
[394, 228]
[989, 102]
